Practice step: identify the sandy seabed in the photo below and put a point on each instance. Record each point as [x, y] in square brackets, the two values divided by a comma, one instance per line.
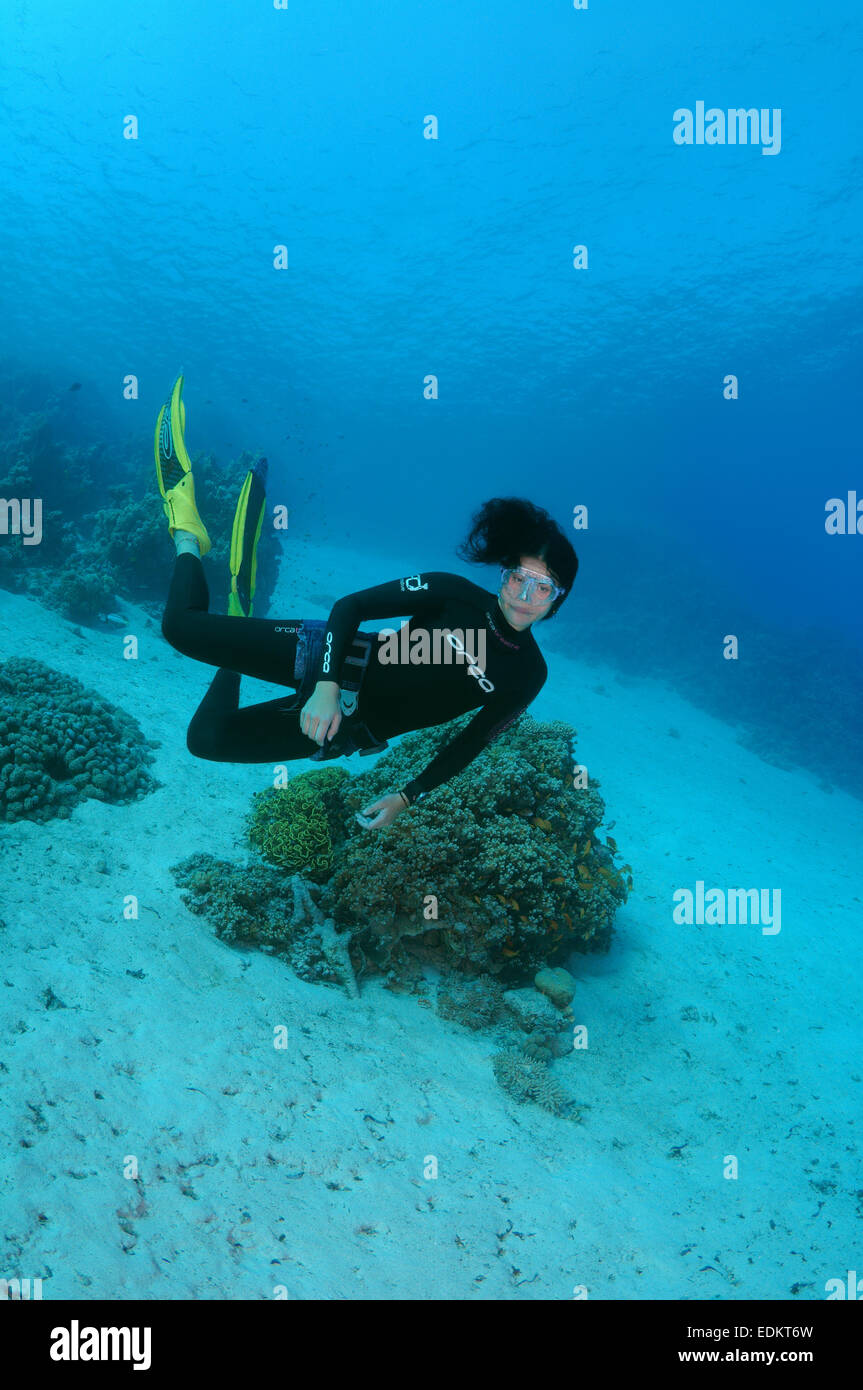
[301, 1172]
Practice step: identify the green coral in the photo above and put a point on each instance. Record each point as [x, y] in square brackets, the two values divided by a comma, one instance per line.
[291, 826]
[60, 743]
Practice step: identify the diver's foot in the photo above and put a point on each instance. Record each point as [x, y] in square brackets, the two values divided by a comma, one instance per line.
[182, 513]
[246, 532]
[186, 544]
[174, 470]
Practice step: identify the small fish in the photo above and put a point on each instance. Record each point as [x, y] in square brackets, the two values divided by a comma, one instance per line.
[76, 386]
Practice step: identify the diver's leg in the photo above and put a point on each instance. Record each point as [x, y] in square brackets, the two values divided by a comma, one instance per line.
[261, 647]
[265, 733]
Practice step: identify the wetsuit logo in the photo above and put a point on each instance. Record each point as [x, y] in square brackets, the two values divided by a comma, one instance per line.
[413, 583]
[417, 646]
[473, 667]
[328, 651]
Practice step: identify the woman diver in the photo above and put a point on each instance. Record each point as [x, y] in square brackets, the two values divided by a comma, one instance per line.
[349, 696]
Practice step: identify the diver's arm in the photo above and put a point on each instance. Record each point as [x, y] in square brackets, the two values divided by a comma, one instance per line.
[398, 598]
[486, 725]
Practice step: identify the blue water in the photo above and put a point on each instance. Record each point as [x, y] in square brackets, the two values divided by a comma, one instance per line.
[408, 256]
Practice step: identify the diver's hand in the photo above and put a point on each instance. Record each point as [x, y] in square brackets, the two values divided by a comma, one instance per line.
[321, 716]
[381, 813]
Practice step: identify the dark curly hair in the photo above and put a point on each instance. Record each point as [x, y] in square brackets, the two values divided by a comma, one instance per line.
[506, 528]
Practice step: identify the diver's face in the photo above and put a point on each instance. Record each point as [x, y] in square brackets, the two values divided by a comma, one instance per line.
[522, 602]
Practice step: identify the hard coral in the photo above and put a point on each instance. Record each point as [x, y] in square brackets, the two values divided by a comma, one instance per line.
[60, 743]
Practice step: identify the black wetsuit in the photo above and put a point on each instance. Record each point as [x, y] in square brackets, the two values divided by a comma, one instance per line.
[507, 672]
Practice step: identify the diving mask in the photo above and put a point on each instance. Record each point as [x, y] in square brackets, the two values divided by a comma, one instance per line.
[528, 586]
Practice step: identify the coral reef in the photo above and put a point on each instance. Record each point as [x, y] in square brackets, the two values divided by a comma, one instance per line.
[498, 872]
[529, 1081]
[547, 1029]
[529, 1029]
[89, 556]
[293, 827]
[508, 852]
[258, 906]
[475, 1004]
[60, 743]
